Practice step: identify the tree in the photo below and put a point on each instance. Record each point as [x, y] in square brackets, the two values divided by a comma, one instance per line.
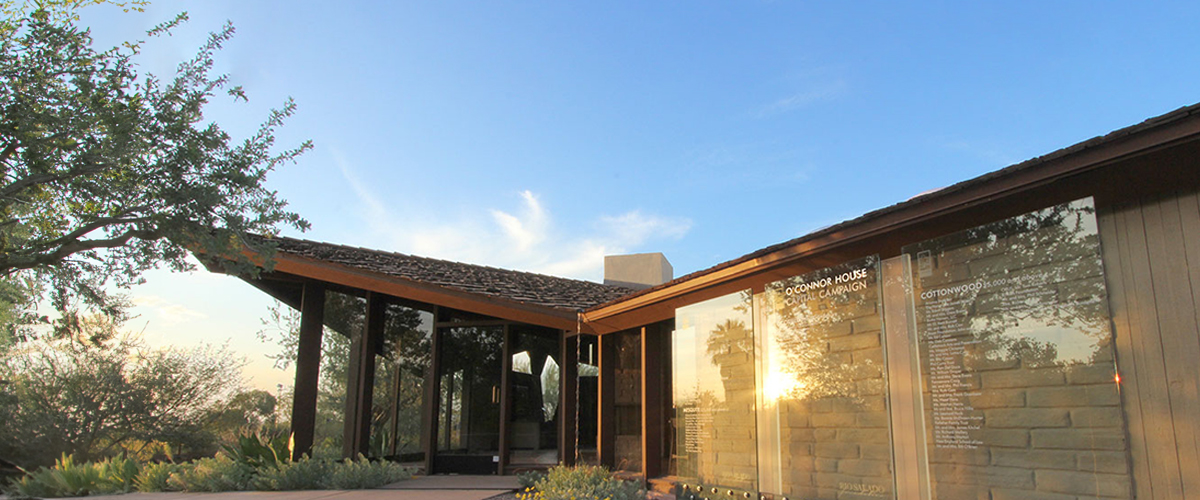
[105, 174]
[76, 397]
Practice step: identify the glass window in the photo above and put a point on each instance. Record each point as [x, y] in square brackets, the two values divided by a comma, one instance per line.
[1020, 388]
[822, 418]
[713, 393]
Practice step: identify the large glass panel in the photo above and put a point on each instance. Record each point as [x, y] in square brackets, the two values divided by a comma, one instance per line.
[1020, 389]
[822, 417]
[628, 375]
[713, 394]
[345, 317]
[534, 386]
[400, 372]
[469, 400]
[588, 398]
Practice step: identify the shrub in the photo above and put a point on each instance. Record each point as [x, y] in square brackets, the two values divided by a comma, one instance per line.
[362, 474]
[583, 482]
[304, 474]
[220, 473]
[529, 478]
[68, 479]
[259, 450]
[154, 477]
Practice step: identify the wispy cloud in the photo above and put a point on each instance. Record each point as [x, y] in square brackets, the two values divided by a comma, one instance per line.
[523, 237]
[826, 91]
[168, 312]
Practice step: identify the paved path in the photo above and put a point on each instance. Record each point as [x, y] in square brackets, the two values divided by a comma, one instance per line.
[417, 488]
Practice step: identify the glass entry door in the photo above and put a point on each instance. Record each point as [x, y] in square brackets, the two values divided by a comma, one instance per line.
[534, 382]
[468, 427]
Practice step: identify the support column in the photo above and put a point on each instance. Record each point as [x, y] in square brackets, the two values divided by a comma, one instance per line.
[308, 367]
[653, 416]
[505, 397]
[433, 394]
[360, 383]
[606, 427]
[568, 405]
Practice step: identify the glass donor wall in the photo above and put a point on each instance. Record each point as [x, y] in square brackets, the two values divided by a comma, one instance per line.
[783, 393]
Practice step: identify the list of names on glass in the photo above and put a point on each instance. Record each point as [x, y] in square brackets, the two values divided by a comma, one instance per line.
[1019, 382]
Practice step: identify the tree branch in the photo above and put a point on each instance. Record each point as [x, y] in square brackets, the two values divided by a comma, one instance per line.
[74, 247]
[87, 228]
[21, 184]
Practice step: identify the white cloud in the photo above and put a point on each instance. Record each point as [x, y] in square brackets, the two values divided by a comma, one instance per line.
[524, 238]
[169, 313]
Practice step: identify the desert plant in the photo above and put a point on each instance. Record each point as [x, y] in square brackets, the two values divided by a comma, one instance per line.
[259, 450]
[528, 479]
[69, 479]
[154, 477]
[582, 482]
[362, 474]
[304, 474]
[219, 473]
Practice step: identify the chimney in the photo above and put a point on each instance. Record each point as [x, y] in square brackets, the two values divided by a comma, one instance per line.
[637, 271]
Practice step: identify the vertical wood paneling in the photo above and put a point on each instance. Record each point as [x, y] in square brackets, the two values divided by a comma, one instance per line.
[1189, 212]
[1173, 299]
[1115, 265]
[1164, 471]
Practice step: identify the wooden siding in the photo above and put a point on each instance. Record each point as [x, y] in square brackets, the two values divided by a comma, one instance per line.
[1152, 265]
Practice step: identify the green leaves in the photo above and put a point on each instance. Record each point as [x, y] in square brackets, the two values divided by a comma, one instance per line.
[106, 174]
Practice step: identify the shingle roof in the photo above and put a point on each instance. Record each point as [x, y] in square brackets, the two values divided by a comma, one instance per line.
[530, 288]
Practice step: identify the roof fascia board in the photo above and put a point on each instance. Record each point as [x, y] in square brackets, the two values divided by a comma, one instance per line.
[424, 292]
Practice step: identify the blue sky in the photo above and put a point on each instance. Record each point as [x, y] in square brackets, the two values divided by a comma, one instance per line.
[542, 136]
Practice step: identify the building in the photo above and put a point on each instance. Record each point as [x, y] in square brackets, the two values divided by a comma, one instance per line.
[1032, 333]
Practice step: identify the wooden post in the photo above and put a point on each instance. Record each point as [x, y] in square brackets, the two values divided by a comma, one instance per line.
[505, 396]
[308, 368]
[568, 405]
[433, 393]
[360, 383]
[652, 409]
[606, 425]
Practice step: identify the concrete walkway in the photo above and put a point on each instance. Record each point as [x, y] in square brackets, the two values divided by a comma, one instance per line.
[417, 488]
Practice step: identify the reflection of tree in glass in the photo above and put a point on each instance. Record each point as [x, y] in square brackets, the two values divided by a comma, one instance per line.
[730, 337]
[405, 349]
[802, 333]
[1043, 299]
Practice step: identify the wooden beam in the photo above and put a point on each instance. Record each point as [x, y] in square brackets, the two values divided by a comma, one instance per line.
[360, 383]
[652, 411]
[308, 368]
[606, 425]
[568, 406]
